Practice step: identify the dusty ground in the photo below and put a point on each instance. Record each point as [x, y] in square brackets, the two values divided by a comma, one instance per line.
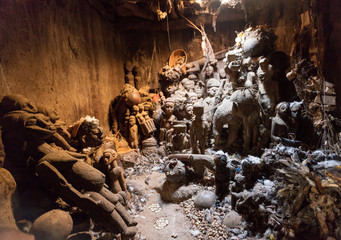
[178, 226]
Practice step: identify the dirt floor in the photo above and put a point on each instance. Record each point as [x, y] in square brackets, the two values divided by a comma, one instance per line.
[157, 211]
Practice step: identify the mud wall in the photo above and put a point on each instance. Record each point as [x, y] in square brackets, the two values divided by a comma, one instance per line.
[61, 54]
[64, 54]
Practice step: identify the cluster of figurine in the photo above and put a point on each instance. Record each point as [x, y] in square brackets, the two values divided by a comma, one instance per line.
[36, 140]
[210, 105]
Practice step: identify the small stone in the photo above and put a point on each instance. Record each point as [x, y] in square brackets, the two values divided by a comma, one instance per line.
[174, 235]
[53, 225]
[205, 199]
[232, 220]
[195, 232]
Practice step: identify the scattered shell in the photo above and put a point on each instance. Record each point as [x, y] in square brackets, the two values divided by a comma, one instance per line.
[161, 223]
[155, 207]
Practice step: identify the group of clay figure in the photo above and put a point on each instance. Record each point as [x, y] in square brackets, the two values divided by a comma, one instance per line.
[214, 107]
[37, 141]
[234, 106]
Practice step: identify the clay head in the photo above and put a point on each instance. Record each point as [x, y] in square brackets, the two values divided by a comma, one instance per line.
[220, 160]
[222, 73]
[188, 84]
[209, 71]
[212, 86]
[90, 134]
[168, 108]
[192, 97]
[135, 109]
[132, 120]
[109, 155]
[175, 171]
[192, 77]
[170, 88]
[199, 89]
[141, 108]
[264, 63]
[189, 111]
[128, 66]
[198, 109]
[283, 109]
[295, 108]
[17, 102]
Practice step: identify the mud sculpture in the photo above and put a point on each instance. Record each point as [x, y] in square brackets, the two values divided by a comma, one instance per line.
[267, 89]
[199, 89]
[128, 69]
[106, 162]
[67, 175]
[133, 133]
[166, 122]
[180, 137]
[145, 122]
[196, 164]
[283, 125]
[174, 188]
[129, 97]
[222, 175]
[199, 129]
[188, 84]
[209, 102]
[191, 97]
[242, 109]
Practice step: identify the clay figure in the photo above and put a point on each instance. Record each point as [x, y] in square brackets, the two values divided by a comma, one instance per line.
[199, 89]
[180, 138]
[209, 102]
[129, 97]
[242, 109]
[198, 130]
[280, 124]
[192, 98]
[133, 133]
[166, 122]
[267, 89]
[63, 172]
[188, 84]
[128, 69]
[222, 175]
[106, 160]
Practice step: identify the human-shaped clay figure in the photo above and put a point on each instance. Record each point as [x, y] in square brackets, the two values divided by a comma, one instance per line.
[189, 116]
[180, 138]
[267, 89]
[199, 89]
[128, 69]
[78, 183]
[209, 102]
[145, 122]
[191, 97]
[140, 116]
[198, 130]
[280, 124]
[106, 160]
[133, 133]
[188, 84]
[166, 122]
[222, 175]
[137, 71]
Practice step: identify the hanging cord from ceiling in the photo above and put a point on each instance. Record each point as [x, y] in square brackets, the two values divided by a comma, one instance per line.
[169, 42]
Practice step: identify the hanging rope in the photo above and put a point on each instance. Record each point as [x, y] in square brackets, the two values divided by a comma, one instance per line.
[169, 43]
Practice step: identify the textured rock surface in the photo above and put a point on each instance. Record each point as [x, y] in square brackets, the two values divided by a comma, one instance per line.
[232, 220]
[205, 199]
[7, 188]
[53, 225]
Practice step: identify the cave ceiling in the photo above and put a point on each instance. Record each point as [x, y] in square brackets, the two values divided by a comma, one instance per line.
[136, 13]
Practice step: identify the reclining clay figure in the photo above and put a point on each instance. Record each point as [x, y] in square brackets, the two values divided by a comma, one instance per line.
[61, 171]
